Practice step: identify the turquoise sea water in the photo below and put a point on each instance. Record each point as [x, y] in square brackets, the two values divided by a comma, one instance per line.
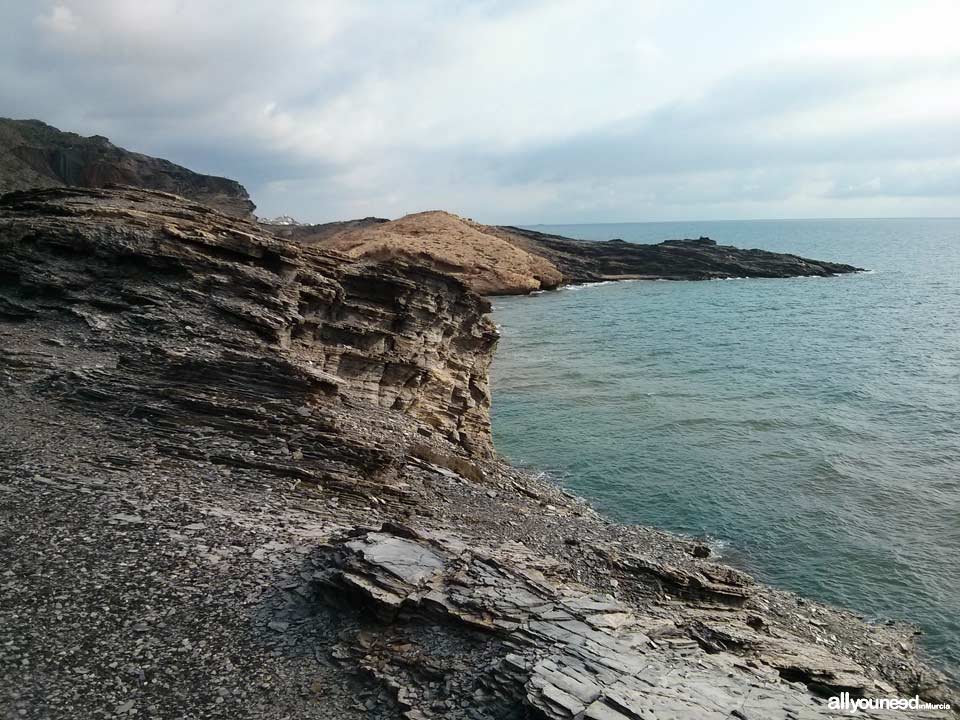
[809, 427]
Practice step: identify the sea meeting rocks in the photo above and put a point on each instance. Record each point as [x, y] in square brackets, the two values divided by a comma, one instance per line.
[243, 478]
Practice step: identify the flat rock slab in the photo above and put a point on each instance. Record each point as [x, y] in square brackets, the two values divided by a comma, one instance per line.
[561, 657]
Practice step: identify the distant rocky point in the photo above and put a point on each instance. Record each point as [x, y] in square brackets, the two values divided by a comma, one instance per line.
[36, 155]
[583, 261]
[507, 260]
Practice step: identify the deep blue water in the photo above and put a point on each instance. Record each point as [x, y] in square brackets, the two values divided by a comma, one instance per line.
[809, 427]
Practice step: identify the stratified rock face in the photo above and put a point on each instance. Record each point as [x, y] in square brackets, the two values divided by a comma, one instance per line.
[193, 304]
[563, 652]
[36, 155]
[699, 259]
[487, 264]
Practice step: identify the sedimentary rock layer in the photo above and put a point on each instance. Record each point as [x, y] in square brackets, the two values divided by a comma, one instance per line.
[176, 290]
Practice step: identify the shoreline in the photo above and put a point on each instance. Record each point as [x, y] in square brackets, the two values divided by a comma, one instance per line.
[933, 639]
[715, 552]
[617, 280]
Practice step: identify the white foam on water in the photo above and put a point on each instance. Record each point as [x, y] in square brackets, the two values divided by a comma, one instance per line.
[584, 286]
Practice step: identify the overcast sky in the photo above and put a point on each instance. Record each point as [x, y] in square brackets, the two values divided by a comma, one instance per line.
[515, 111]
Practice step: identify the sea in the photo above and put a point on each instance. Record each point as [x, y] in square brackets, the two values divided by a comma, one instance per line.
[808, 428]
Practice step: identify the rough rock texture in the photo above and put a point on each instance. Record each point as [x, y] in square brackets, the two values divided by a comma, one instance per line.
[36, 155]
[188, 292]
[216, 501]
[701, 259]
[564, 652]
[487, 264]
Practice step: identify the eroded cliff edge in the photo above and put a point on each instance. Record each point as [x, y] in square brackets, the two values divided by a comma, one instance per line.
[241, 478]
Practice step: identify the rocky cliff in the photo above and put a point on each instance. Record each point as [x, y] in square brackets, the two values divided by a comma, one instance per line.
[173, 287]
[36, 155]
[240, 478]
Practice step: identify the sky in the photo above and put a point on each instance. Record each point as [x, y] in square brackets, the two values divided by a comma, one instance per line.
[522, 111]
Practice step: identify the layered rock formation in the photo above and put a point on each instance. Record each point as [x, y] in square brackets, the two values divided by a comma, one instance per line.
[511, 260]
[178, 289]
[243, 478]
[36, 155]
[561, 651]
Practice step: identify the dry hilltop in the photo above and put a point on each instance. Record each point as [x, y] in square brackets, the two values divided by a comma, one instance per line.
[242, 477]
[488, 263]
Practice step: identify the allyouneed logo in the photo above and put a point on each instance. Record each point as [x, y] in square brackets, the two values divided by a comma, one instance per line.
[853, 705]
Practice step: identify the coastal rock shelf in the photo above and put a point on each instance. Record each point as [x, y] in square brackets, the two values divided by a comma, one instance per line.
[567, 653]
[240, 477]
[697, 259]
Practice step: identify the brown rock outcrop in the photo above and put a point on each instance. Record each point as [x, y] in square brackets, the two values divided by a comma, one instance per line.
[486, 263]
[36, 155]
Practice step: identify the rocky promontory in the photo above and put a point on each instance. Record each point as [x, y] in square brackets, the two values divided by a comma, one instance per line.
[36, 155]
[245, 478]
[691, 259]
[507, 260]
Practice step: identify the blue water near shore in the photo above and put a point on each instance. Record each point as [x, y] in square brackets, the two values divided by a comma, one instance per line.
[809, 427]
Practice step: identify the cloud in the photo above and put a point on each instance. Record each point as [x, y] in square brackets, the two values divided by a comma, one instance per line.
[59, 21]
[783, 116]
[537, 110]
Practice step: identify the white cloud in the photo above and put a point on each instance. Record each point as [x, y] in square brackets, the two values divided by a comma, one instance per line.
[59, 21]
[512, 111]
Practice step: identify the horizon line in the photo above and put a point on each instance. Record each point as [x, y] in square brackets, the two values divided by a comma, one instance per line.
[795, 219]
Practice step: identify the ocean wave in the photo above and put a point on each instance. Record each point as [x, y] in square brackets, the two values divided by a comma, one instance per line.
[584, 286]
[717, 546]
